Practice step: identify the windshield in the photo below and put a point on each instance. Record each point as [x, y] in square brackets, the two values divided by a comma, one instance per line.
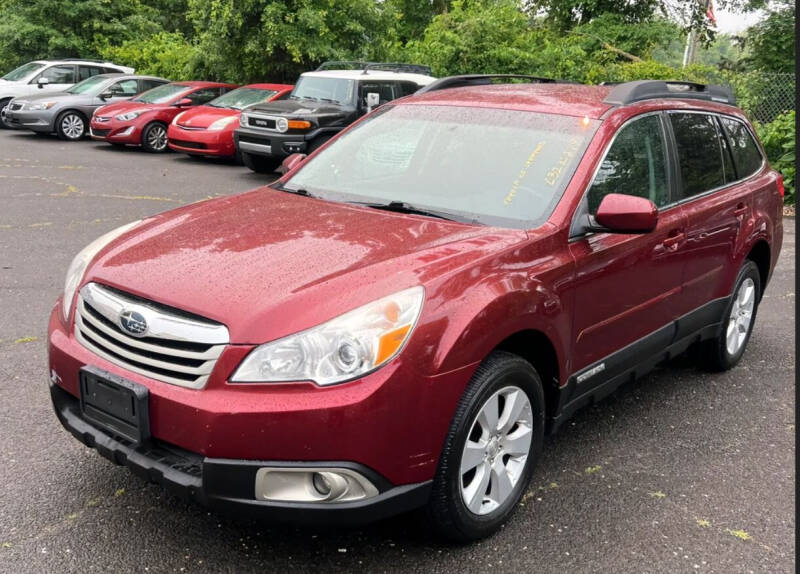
[241, 98]
[334, 90]
[162, 94]
[496, 167]
[22, 72]
[88, 86]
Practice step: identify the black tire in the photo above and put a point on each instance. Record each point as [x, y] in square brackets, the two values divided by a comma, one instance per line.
[3, 104]
[260, 163]
[447, 511]
[154, 137]
[71, 126]
[714, 354]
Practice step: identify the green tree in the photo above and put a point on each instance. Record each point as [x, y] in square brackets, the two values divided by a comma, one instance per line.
[248, 40]
[771, 42]
[565, 14]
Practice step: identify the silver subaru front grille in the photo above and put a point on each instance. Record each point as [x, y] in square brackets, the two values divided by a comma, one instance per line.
[147, 338]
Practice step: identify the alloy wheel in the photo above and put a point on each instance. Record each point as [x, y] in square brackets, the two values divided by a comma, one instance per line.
[741, 316]
[72, 125]
[157, 137]
[496, 450]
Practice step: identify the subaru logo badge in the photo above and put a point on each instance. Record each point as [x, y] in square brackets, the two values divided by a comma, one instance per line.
[133, 323]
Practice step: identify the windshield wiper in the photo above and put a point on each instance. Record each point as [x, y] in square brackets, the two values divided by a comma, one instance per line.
[300, 191]
[404, 207]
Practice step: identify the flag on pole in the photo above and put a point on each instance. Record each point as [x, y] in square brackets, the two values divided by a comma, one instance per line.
[710, 13]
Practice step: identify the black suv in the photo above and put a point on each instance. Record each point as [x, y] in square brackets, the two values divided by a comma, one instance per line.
[323, 103]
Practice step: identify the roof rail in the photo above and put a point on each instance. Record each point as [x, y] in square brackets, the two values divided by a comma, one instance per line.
[367, 66]
[630, 92]
[399, 67]
[84, 60]
[484, 80]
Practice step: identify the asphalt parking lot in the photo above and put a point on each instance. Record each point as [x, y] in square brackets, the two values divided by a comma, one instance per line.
[683, 471]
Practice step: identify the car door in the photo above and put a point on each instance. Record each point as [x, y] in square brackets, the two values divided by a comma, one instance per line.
[626, 285]
[59, 78]
[717, 207]
[385, 90]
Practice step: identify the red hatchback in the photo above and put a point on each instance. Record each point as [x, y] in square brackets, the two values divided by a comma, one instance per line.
[143, 120]
[208, 129]
[399, 319]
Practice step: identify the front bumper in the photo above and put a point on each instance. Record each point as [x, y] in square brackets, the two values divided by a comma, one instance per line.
[228, 485]
[201, 142]
[272, 144]
[38, 121]
[115, 131]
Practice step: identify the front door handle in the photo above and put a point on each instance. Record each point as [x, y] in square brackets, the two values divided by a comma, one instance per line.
[741, 209]
[675, 238]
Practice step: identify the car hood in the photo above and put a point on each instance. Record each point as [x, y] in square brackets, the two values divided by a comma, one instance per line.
[57, 97]
[204, 116]
[123, 107]
[297, 108]
[268, 263]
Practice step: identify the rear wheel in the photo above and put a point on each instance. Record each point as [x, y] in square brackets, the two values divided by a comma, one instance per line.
[154, 137]
[3, 108]
[490, 452]
[70, 126]
[727, 347]
[260, 163]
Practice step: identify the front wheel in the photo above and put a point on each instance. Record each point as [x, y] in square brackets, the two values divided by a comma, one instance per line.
[70, 126]
[727, 347]
[490, 452]
[260, 163]
[154, 137]
[3, 109]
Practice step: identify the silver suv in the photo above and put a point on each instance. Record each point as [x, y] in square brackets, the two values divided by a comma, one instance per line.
[41, 76]
[68, 113]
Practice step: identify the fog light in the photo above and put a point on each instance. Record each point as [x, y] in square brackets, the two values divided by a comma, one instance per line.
[126, 132]
[325, 485]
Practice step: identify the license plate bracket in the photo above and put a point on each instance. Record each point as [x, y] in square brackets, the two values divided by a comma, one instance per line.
[115, 404]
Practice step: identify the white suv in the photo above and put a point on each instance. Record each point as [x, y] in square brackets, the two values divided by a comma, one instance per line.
[50, 75]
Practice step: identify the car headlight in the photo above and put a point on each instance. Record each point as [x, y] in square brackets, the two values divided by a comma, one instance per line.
[282, 124]
[176, 118]
[40, 106]
[128, 116]
[221, 123]
[341, 349]
[82, 260]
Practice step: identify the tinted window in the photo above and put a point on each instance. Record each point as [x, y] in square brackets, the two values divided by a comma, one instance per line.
[125, 88]
[203, 96]
[699, 153]
[746, 154]
[492, 166]
[384, 89]
[407, 88]
[88, 71]
[634, 165]
[59, 74]
[145, 85]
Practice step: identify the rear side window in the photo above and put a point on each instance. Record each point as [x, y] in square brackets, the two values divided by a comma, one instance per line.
[635, 164]
[88, 71]
[700, 153]
[406, 88]
[385, 91]
[746, 154]
[145, 85]
[205, 95]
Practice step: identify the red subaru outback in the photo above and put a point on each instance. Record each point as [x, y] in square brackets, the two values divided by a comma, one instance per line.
[399, 320]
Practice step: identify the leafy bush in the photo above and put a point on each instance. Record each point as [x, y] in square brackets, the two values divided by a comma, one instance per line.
[165, 54]
[778, 140]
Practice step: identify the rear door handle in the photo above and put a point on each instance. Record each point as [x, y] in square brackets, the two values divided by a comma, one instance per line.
[675, 237]
[741, 209]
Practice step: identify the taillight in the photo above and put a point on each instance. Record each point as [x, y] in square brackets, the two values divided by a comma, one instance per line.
[781, 188]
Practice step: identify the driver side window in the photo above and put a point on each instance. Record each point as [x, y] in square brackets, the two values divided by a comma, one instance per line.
[636, 164]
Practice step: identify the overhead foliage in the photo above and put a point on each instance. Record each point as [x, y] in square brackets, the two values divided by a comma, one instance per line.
[771, 42]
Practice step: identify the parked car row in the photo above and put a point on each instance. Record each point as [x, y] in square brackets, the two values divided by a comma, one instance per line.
[399, 320]
[258, 124]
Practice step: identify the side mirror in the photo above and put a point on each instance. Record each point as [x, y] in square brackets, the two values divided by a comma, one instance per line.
[42, 82]
[185, 102]
[106, 95]
[292, 162]
[619, 213]
[373, 100]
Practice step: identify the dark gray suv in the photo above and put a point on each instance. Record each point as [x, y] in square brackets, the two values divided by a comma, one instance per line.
[68, 113]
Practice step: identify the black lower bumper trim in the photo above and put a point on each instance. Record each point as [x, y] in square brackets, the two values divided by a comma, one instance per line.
[228, 485]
